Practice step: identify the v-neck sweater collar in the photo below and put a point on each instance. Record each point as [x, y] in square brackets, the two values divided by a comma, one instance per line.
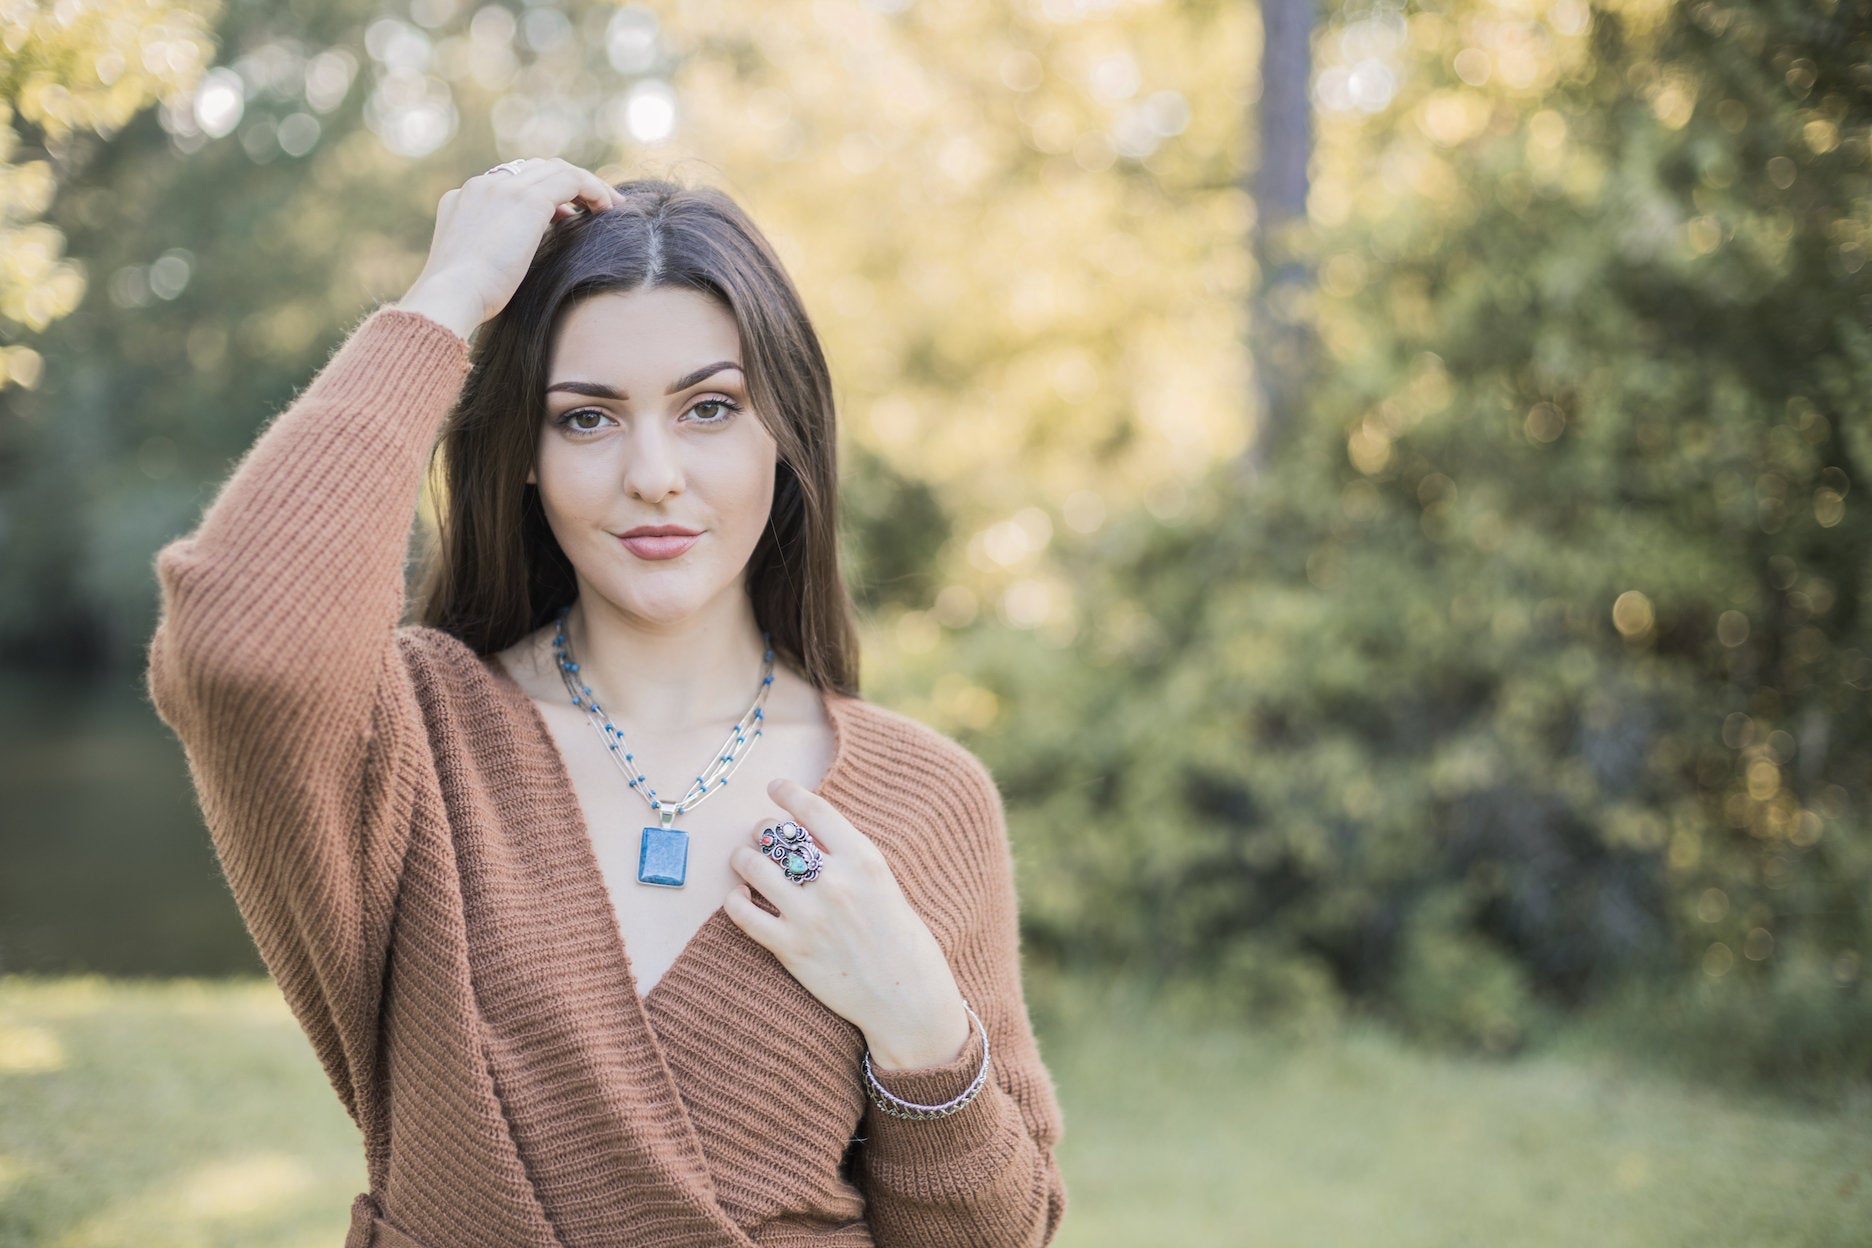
[832, 786]
[404, 842]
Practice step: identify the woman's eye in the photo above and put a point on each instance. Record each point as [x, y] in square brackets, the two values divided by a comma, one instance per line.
[570, 418]
[723, 410]
[728, 408]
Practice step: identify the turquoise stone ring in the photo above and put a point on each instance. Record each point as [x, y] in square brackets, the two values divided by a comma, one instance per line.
[793, 848]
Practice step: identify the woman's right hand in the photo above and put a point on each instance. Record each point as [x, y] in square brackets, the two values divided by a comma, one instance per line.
[487, 233]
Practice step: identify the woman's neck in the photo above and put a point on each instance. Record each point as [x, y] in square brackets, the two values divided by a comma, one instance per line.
[668, 679]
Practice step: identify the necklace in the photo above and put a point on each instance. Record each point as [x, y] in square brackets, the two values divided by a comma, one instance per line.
[663, 858]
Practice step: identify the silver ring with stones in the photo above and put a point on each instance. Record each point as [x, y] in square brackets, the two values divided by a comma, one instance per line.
[508, 166]
[793, 847]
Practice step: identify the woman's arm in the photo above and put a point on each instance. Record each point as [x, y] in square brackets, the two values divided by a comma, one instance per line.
[986, 1173]
[275, 662]
[276, 659]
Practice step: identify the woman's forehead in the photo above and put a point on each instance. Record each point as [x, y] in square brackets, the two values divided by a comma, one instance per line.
[644, 339]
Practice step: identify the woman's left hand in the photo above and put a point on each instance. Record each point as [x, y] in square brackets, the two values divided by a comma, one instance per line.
[852, 939]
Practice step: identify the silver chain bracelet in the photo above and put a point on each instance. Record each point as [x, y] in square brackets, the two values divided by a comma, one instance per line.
[897, 1107]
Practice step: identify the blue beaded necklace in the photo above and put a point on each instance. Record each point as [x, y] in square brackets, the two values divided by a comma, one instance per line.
[663, 858]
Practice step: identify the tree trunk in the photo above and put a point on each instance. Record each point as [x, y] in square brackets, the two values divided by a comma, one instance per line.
[1279, 338]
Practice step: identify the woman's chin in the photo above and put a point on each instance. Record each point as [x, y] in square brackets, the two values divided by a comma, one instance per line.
[661, 609]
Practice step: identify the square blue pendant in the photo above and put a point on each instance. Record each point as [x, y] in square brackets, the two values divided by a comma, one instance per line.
[664, 858]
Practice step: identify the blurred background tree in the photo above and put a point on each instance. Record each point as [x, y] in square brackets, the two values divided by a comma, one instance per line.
[72, 73]
[1528, 664]
[1536, 665]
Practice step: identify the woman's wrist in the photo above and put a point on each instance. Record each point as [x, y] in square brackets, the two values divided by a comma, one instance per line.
[933, 1091]
[443, 306]
[937, 1044]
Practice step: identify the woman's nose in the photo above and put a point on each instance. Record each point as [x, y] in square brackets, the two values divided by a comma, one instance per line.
[653, 465]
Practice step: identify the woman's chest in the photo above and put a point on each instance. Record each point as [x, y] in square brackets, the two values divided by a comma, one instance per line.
[658, 921]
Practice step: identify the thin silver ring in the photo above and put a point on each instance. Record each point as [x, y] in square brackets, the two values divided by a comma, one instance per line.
[508, 166]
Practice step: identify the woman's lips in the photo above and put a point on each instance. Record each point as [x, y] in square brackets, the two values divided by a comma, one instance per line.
[665, 547]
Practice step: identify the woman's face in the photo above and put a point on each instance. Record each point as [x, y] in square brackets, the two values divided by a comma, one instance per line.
[648, 423]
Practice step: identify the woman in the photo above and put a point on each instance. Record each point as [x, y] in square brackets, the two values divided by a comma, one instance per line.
[569, 994]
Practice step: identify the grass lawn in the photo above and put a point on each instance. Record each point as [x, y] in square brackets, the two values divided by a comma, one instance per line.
[160, 1113]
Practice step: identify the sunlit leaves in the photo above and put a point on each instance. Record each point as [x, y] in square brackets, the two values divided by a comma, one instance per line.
[1551, 624]
[70, 70]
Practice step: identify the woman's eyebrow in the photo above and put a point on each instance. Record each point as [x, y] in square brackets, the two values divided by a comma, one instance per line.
[598, 390]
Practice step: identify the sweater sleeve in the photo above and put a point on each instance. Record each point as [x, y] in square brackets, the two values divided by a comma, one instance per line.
[275, 661]
[985, 1174]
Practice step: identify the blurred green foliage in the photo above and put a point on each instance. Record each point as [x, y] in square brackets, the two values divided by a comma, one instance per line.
[1535, 664]
[69, 72]
[1538, 663]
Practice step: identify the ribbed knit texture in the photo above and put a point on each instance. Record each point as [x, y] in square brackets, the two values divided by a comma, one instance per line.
[404, 842]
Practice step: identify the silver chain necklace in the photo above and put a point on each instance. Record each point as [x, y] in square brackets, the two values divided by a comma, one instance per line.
[663, 858]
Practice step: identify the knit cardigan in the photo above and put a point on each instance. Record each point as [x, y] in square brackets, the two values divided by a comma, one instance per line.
[403, 841]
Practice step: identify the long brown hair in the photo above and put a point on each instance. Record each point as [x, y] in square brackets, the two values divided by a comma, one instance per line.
[496, 572]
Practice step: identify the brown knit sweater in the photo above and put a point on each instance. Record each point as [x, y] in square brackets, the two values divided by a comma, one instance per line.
[403, 840]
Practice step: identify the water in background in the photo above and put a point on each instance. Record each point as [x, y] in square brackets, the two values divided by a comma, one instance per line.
[104, 862]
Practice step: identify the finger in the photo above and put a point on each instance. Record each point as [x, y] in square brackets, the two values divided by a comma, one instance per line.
[766, 852]
[525, 173]
[597, 194]
[764, 928]
[567, 181]
[830, 830]
[762, 872]
[564, 181]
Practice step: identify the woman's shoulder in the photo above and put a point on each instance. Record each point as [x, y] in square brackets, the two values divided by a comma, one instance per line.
[931, 805]
[425, 643]
[442, 665]
[919, 753]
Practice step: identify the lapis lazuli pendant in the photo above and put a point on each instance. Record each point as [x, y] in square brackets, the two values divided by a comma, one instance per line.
[664, 858]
